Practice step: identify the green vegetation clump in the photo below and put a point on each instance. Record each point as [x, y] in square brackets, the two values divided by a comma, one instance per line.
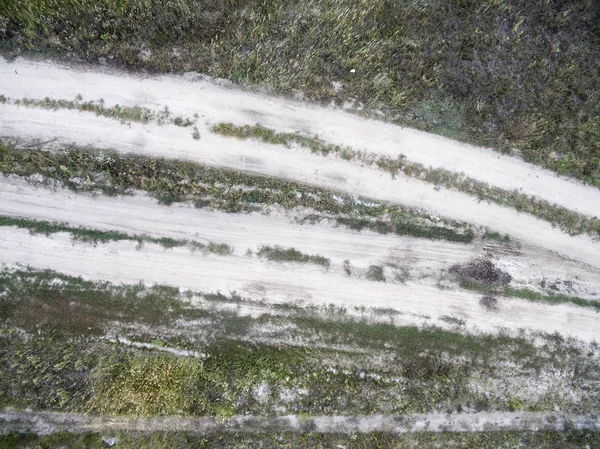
[510, 74]
[279, 254]
[375, 273]
[228, 190]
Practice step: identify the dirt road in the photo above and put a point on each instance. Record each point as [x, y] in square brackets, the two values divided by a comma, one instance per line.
[214, 103]
[47, 422]
[175, 142]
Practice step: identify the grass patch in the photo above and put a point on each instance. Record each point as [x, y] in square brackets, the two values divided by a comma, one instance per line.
[50, 302]
[280, 254]
[496, 236]
[117, 112]
[550, 297]
[228, 190]
[375, 273]
[469, 70]
[568, 221]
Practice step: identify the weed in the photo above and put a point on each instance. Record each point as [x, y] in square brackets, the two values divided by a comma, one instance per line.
[279, 254]
[375, 273]
[95, 236]
[195, 133]
[222, 249]
[347, 268]
[453, 320]
[496, 236]
[122, 113]
[527, 294]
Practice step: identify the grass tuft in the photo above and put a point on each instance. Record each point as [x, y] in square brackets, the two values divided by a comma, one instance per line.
[276, 253]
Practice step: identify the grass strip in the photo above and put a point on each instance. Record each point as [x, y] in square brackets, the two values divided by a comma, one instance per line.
[117, 112]
[95, 236]
[570, 438]
[568, 221]
[529, 295]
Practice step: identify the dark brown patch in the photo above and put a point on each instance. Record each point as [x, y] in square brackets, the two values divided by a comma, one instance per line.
[489, 302]
[482, 271]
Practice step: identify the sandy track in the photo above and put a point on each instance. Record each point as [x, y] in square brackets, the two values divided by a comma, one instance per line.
[298, 165]
[272, 282]
[141, 214]
[43, 423]
[216, 103]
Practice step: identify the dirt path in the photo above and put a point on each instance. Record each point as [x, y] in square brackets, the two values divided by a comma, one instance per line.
[141, 214]
[276, 283]
[44, 423]
[298, 165]
[214, 103]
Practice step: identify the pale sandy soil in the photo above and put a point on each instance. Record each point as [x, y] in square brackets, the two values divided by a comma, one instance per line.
[44, 423]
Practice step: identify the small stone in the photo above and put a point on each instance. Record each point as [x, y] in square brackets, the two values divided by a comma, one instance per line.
[110, 441]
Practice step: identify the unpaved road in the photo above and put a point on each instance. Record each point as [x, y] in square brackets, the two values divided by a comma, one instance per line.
[298, 165]
[141, 214]
[191, 94]
[43, 423]
[544, 252]
[274, 282]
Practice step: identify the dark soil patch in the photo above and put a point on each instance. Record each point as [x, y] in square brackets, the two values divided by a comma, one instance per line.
[482, 271]
[489, 302]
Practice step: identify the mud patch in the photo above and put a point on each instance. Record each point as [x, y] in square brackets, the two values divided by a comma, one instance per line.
[483, 272]
[489, 302]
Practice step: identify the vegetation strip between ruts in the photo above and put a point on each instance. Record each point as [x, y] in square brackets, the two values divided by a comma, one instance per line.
[530, 295]
[228, 190]
[123, 113]
[568, 221]
[95, 236]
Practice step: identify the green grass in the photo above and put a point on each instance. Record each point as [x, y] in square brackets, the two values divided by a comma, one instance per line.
[496, 236]
[510, 74]
[567, 220]
[117, 112]
[569, 439]
[279, 254]
[228, 190]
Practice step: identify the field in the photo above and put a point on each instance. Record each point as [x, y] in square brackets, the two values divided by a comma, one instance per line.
[270, 259]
